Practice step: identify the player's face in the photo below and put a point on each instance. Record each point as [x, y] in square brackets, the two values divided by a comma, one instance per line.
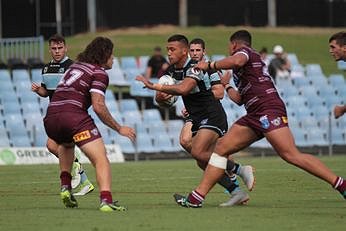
[338, 52]
[176, 52]
[196, 52]
[231, 47]
[108, 65]
[57, 51]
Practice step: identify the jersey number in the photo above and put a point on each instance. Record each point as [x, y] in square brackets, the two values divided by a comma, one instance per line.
[71, 76]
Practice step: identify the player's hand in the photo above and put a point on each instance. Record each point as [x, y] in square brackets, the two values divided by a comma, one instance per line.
[184, 113]
[128, 132]
[162, 96]
[225, 77]
[202, 65]
[145, 81]
[35, 87]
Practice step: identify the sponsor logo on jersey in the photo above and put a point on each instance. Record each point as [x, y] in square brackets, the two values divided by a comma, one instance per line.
[264, 121]
[205, 121]
[84, 135]
[284, 119]
[276, 121]
[61, 70]
[45, 69]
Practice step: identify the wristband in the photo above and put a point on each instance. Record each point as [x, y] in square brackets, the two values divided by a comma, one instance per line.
[229, 87]
[215, 66]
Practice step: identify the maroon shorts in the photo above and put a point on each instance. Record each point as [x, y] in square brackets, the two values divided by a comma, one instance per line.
[264, 122]
[70, 127]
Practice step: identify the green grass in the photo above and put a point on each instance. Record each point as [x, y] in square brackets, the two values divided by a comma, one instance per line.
[310, 44]
[285, 198]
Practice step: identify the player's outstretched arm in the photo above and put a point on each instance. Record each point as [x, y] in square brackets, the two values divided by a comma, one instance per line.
[101, 110]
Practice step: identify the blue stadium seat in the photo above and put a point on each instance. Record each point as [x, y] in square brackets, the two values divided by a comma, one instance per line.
[11, 107]
[145, 145]
[318, 80]
[297, 71]
[128, 62]
[128, 105]
[164, 144]
[131, 117]
[31, 107]
[126, 145]
[315, 102]
[8, 96]
[332, 100]
[338, 136]
[19, 75]
[143, 62]
[296, 101]
[313, 69]
[300, 136]
[308, 91]
[336, 79]
[4, 140]
[326, 90]
[303, 112]
[292, 57]
[262, 143]
[316, 137]
[6, 86]
[20, 140]
[283, 83]
[217, 57]
[151, 115]
[289, 90]
[301, 82]
[136, 89]
[5, 75]
[320, 111]
[36, 75]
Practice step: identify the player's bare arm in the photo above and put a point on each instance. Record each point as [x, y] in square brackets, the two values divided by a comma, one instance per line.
[232, 93]
[100, 108]
[38, 89]
[182, 88]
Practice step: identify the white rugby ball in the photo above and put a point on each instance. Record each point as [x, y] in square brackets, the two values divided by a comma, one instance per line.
[167, 80]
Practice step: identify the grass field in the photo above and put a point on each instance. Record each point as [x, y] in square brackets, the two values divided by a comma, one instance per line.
[310, 44]
[285, 198]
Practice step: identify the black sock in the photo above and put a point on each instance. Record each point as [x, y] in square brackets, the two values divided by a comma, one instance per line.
[227, 183]
[232, 167]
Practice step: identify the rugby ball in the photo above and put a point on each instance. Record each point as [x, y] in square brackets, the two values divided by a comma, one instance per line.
[167, 80]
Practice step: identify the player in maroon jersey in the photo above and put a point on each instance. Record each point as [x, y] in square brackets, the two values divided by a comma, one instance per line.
[266, 117]
[68, 123]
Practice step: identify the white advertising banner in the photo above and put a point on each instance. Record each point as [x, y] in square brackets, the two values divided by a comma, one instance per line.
[40, 155]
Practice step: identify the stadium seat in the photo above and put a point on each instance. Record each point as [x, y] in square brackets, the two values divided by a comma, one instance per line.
[315, 102]
[31, 107]
[5, 75]
[313, 69]
[143, 62]
[262, 143]
[6, 86]
[131, 74]
[326, 90]
[44, 102]
[338, 136]
[316, 137]
[296, 101]
[151, 115]
[156, 128]
[297, 71]
[332, 100]
[128, 105]
[116, 76]
[126, 145]
[318, 80]
[336, 79]
[303, 112]
[20, 140]
[32, 119]
[320, 111]
[20, 75]
[164, 144]
[308, 122]
[283, 83]
[145, 145]
[292, 57]
[4, 141]
[289, 90]
[8, 96]
[131, 117]
[301, 82]
[300, 136]
[11, 107]
[128, 62]
[308, 91]
[137, 90]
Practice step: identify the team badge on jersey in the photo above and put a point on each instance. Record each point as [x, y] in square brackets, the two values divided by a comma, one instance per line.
[276, 121]
[264, 122]
[61, 70]
[195, 71]
[84, 135]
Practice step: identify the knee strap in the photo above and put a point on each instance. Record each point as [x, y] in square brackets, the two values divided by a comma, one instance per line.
[218, 161]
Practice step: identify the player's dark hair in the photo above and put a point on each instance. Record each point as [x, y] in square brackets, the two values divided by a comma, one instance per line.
[178, 38]
[198, 41]
[339, 37]
[97, 52]
[242, 36]
[57, 38]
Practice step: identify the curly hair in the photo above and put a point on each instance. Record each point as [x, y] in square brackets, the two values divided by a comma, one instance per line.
[97, 52]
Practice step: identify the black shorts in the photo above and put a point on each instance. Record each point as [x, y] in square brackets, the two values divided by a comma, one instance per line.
[215, 121]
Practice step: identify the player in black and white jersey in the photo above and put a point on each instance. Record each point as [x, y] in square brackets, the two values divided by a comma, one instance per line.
[52, 72]
[206, 112]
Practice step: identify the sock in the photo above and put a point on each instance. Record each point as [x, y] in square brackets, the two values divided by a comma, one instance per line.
[65, 179]
[106, 196]
[340, 184]
[232, 167]
[228, 183]
[195, 197]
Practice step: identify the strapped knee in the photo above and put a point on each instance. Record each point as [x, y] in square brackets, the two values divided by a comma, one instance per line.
[218, 161]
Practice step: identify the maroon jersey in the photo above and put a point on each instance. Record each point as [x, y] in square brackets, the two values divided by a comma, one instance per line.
[255, 86]
[73, 93]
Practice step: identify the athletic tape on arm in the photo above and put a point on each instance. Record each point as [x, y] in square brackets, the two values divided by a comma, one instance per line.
[218, 161]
